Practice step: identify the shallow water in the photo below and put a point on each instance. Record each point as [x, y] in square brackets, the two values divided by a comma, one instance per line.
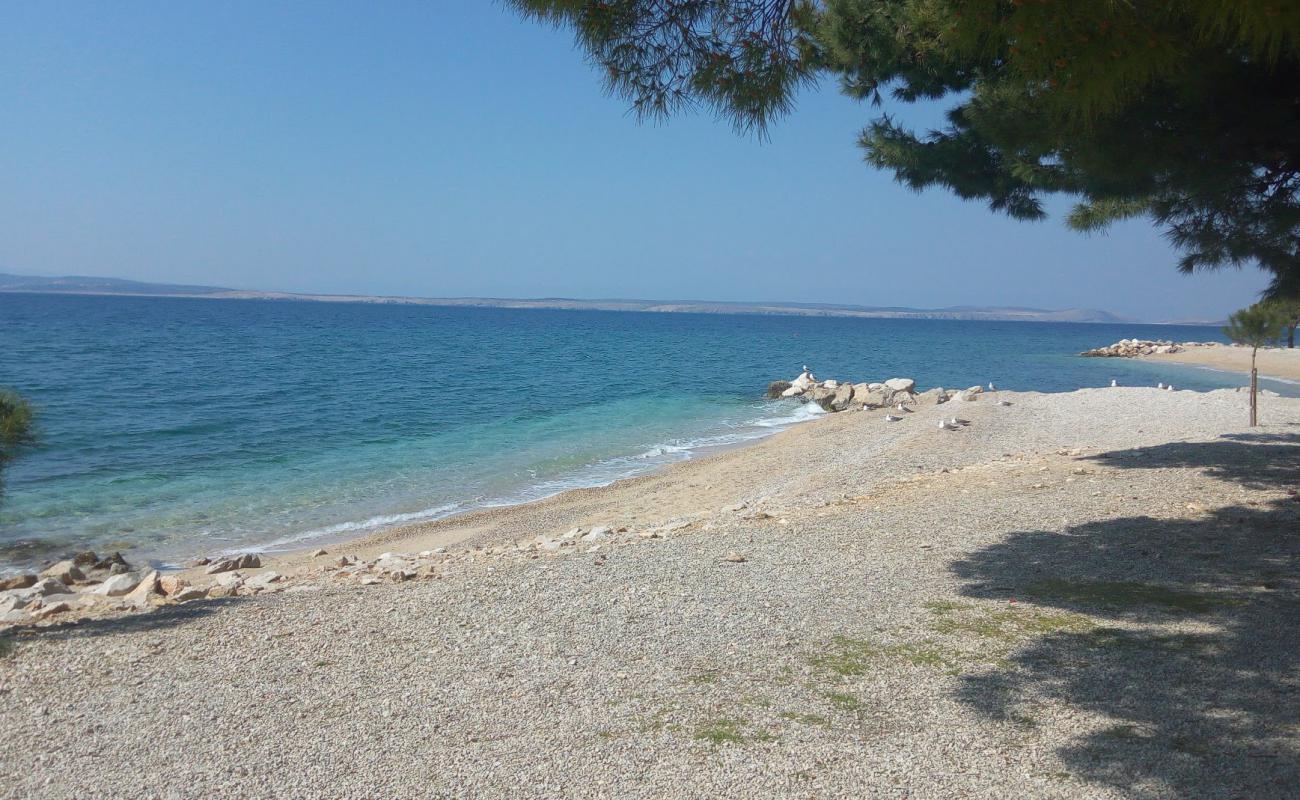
[176, 426]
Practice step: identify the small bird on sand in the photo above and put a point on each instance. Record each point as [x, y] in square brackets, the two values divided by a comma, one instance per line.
[991, 386]
[1113, 383]
[1169, 388]
[901, 407]
[892, 418]
[945, 425]
[1004, 402]
[1160, 386]
[955, 421]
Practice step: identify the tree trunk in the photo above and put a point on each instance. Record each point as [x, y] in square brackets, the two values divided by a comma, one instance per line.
[1254, 388]
[1290, 337]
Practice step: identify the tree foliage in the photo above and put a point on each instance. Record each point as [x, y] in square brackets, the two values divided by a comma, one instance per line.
[1256, 326]
[1187, 113]
[17, 429]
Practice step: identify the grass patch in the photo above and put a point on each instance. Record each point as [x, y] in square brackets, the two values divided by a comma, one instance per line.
[806, 719]
[730, 731]
[705, 678]
[1010, 625]
[1127, 595]
[848, 657]
[7, 647]
[946, 606]
[756, 701]
[844, 700]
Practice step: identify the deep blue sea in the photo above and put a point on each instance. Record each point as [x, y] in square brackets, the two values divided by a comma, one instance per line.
[170, 427]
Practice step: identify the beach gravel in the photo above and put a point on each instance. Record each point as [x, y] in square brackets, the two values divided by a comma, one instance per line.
[1082, 595]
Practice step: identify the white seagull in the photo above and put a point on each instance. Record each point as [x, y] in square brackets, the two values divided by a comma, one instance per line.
[991, 386]
[1160, 385]
[901, 407]
[1004, 402]
[1113, 383]
[891, 418]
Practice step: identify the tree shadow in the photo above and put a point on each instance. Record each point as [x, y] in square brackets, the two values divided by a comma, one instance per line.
[160, 618]
[1196, 670]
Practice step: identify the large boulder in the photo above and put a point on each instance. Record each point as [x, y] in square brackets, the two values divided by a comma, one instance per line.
[872, 398]
[118, 585]
[932, 397]
[65, 571]
[822, 396]
[17, 582]
[776, 389]
[843, 397]
[900, 385]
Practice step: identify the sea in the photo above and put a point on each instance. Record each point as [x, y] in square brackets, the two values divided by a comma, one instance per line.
[170, 427]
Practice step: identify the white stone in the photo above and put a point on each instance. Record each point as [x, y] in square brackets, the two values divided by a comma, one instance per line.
[118, 585]
[900, 384]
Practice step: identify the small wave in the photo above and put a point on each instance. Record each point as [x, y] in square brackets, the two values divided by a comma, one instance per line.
[373, 523]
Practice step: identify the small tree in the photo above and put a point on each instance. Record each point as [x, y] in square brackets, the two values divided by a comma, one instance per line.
[1254, 327]
[1288, 312]
[16, 428]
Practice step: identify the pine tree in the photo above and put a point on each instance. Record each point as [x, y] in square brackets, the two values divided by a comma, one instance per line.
[1186, 113]
[1254, 327]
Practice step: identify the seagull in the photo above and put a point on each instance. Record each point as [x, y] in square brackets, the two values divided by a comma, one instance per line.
[1160, 386]
[1004, 402]
[892, 418]
[991, 386]
[1169, 388]
[1113, 383]
[955, 421]
[945, 425]
[901, 407]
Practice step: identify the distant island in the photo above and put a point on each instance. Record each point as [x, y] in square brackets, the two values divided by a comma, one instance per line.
[118, 286]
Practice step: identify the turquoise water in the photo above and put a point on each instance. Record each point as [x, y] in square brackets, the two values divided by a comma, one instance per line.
[171, 427]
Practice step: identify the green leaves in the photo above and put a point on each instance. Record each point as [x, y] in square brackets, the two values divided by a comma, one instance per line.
[1256, 326]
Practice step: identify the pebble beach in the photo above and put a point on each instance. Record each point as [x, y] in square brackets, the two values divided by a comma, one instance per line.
[1085, 594]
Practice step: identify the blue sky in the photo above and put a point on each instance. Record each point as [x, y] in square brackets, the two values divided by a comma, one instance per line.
[452, 149]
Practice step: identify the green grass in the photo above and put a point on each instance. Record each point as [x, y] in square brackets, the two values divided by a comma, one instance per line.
[806, 719]
[704, 678]
[844, 701]
[848, 657]
[730, 731]
[1010, 625]
[7, 647]
[1127, 595]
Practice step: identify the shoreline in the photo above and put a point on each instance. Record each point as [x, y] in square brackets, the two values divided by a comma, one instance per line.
[845, 608]
[1278, 363]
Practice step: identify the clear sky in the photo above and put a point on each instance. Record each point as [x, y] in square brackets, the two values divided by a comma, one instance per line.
[452, 149]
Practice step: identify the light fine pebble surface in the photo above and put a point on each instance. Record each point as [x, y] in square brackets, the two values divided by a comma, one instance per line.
[1091, 594]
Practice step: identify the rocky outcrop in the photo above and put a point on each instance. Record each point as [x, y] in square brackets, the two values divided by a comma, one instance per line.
[836, 395]
[1135, 348]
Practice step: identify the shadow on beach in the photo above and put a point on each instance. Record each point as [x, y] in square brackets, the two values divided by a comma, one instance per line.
[1196, 664]
[161, 618]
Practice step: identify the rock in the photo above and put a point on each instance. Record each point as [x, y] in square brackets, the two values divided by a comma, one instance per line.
[830, 384]
[735, 558]
[572, 533]
[197, 562]
[873, 398]
[931, 397]
[319, 552]
[548, 545]
[596, 534]
[242, 561]
[11, 601]
[50, 610]
[900, 385]
[218, 592]
[776, 389]
[735, 507]
[230, 580]
[188, 593]
[118, 585]
[793, 391]
[144, 590]
[17, 582]
[43, 588]
[65, 571]
[843, 397]
[822, 396]
[264, 580]
[172, 584]
[86, 558]
[114, 565]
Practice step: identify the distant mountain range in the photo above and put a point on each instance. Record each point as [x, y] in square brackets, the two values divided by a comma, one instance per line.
[117, 286]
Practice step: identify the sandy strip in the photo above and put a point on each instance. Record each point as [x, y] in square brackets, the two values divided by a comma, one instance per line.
[1273, 362]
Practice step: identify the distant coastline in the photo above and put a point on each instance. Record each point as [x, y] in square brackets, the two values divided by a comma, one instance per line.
[25, 284]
